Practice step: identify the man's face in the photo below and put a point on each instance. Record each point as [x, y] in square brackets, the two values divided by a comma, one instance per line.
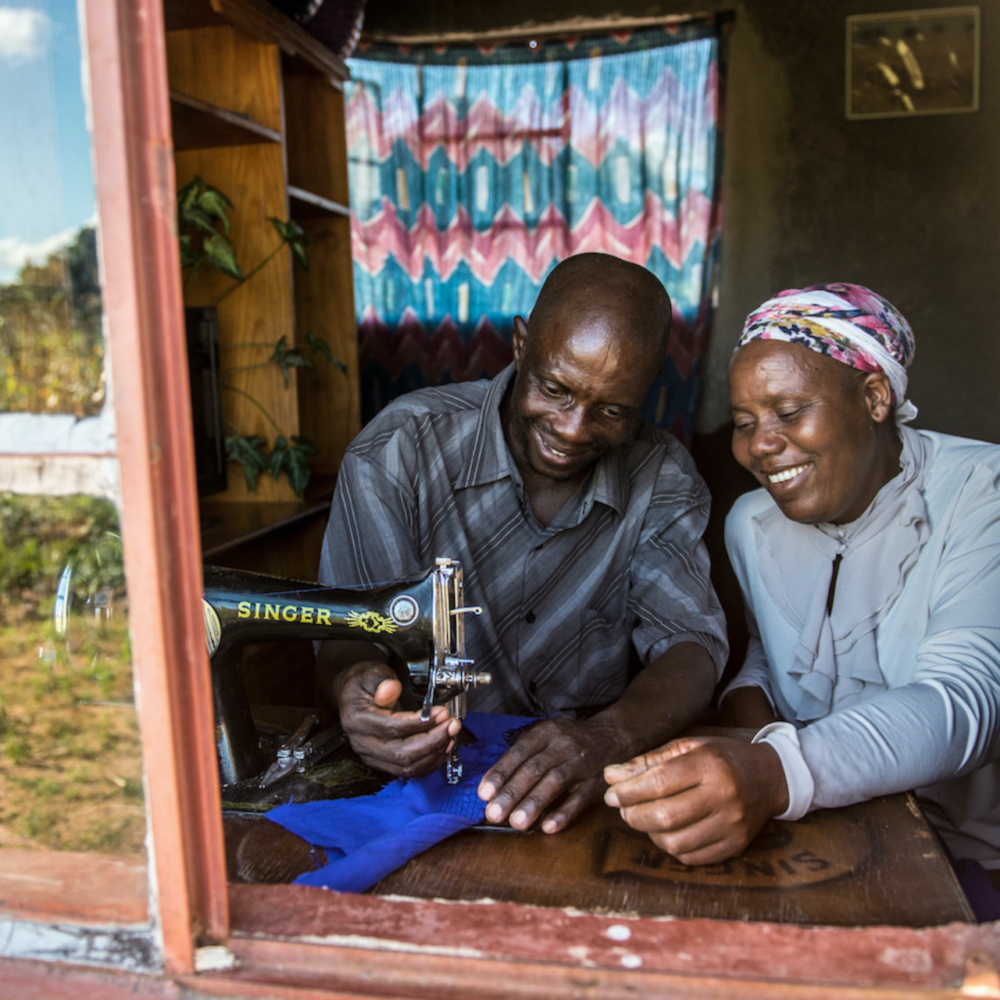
[576, 396]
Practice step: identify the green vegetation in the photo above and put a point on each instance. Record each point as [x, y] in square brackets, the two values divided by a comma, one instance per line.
[70, 766]
[51, 344]
[39, 537]
[204, 229]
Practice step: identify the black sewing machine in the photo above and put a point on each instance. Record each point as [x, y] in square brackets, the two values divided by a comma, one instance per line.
[419, 620]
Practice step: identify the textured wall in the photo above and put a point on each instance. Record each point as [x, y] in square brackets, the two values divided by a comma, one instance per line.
[910, 207]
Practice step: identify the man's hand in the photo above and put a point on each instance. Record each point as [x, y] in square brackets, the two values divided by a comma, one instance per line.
[385, 738]
[553, 770]
[701, 799]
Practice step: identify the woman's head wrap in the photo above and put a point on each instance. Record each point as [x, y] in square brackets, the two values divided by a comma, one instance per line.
[849, 323]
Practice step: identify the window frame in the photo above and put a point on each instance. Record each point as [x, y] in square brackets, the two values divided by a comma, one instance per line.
[136, 196]
[324, 943]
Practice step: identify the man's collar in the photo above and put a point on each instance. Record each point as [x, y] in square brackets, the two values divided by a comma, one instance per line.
[491, 460]
[610, 482]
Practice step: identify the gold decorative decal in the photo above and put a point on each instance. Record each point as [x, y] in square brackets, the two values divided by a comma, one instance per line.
[371, 621]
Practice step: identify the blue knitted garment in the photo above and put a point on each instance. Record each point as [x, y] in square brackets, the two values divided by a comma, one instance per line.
[367, 837]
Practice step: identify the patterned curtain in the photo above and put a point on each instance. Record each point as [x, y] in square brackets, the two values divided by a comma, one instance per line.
[474, 171]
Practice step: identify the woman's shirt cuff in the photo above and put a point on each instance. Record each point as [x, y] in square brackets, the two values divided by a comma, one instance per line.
[783, 737]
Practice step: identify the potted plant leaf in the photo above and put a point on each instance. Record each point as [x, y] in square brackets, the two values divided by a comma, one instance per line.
[204, 235]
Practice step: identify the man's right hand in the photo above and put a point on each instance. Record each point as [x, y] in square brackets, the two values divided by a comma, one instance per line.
[384, 737]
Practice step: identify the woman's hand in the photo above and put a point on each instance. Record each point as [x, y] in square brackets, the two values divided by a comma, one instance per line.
[701, 799]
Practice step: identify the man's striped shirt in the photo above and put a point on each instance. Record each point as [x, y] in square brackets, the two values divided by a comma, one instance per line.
[621, 570]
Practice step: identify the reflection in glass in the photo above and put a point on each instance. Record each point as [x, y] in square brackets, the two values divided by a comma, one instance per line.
[70, 767]
[51, 349]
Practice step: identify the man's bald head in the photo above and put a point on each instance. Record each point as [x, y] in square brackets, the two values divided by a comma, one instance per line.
[585, 361]
[630, 299]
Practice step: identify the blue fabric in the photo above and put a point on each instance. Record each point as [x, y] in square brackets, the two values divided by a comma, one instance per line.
[367, 837]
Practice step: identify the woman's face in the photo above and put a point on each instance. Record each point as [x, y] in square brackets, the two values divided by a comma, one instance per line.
[810, 429]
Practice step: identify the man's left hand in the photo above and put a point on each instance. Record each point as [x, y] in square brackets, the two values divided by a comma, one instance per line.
[553, 772]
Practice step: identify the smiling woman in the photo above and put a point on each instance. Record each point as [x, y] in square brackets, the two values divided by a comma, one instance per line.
[870, 569]
[815, 433]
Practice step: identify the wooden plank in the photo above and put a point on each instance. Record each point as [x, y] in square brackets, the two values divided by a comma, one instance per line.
[492, 950]
[330, 401]
[267, 22]
[73, 886]
[306, 205]
[877, 862]
[159, 517]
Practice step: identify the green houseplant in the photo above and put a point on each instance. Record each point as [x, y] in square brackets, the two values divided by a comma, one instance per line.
[204, 229]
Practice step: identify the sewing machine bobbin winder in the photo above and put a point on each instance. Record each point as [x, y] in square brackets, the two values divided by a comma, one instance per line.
[421, 621]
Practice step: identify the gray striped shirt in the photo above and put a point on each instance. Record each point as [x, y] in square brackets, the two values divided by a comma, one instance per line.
[619, 573]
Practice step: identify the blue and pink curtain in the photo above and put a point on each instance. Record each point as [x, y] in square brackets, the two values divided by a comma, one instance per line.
[475, 170]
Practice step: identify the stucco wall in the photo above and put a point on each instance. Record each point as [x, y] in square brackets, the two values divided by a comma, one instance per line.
[908, 206]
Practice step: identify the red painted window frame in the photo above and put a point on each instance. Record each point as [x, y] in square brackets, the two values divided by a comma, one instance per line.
[298, 939]
[133, 158]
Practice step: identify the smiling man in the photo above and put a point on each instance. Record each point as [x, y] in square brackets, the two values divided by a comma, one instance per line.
[578, 528]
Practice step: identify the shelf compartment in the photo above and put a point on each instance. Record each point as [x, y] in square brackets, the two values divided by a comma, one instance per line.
[199, 125]
[228, 70]
[315, 134]
[306, 205]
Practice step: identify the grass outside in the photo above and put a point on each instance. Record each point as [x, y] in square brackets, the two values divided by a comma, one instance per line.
[70, 766]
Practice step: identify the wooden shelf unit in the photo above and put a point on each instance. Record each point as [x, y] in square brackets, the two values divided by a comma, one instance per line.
[257, 110]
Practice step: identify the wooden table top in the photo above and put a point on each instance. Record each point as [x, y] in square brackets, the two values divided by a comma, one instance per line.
[877, 862]
[874, 863]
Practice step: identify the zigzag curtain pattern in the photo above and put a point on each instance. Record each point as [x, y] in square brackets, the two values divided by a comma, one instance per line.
[474, 171]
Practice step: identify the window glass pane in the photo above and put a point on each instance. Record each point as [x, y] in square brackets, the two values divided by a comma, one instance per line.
[51, 350]
[70, 766]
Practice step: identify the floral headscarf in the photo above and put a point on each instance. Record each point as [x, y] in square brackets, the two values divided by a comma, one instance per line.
[849, 323]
